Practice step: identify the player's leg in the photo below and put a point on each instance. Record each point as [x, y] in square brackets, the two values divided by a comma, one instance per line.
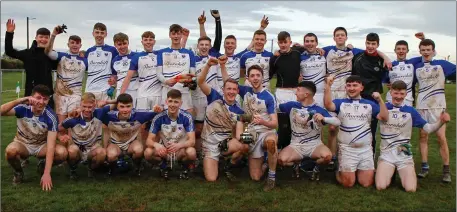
[384, 173]
[365, 168]
[332, 145]
[255, 167]
[96, 158]
[74, 156]
[408, 178]
[284, 129]
[444, 152]
[186, 156]
[211, 155]
[423, 146]
[347, 162]
[187, 104]
[236, 149]
[323, 156]
[112, 154]
[289, 155]
[136, 150]
[14, 152]
[270, 145]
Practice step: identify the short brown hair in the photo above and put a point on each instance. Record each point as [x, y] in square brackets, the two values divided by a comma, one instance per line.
[283, 35]
[124, 98]
[260, 32]
[100, 26]
[257, 67]
[230, 80]
[204, 38]
[175, 28]
[75, 38]
[427, 42]
[41, 89]
[398, 85]
[88, 97]
[174, 94]
[120, 37]
[230, 37]
[148, 34]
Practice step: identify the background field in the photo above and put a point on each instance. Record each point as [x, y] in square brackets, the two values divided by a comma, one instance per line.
[149, 192]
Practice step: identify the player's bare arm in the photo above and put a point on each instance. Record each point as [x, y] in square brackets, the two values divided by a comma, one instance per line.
[126, 82]
[263, 25]
[46, 181]
[319, 118]
[201, 80]
[272, 124]
[328, 103]
[7, 108]
[383, 112]
[185, 36]
[430, 128]
[201, 23]
[222, 61]
[57, 30]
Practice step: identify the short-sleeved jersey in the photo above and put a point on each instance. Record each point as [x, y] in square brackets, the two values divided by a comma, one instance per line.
[174, 62]
[404, 71]
[99, 60]
[145, 63]
[397, 129]
[355, 117]
[211, 77]
[313, 68]
[232, 66]
[303, 127]
[431, 78]
[262, 103]
[70, 73]
[33, 129]
[120, 66]
[86, 133]
[339, 65]
[262, 59]
[125, 131]
[172, 131]
[220, 118]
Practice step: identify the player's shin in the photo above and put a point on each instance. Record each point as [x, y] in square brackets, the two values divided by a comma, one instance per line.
[13, 159]
[272, 161]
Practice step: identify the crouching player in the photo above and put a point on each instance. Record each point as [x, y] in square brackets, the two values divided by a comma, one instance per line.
[85, 125]
[36, 135]
[222, 126]
[306, 119]
[172, 137]
[124, 125]
[355, 152]
[395, 139]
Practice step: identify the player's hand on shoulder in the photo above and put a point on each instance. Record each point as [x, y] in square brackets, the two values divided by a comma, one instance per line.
[157, 109]
[320, 51]
[10, 25]
[445, 117]
[202, 18]
[376, 96]
[350, 46]
[388, 64]
[264, 22]
[276, 53]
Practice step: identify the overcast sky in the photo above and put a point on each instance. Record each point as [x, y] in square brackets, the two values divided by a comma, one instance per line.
[391, 20]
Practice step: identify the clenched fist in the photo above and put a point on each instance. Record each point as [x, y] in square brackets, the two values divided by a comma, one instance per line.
[222, 60]
[376, 96]
[202, 18]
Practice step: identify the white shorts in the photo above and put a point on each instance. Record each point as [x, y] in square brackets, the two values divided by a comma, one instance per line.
[86, 151]
[147, 103]
[431, 115]
[66, 104]
[32, 149]
[123, 146]
[284, 96]
[319, 99]
[256, 149]
[337, 95]
[211, 150]
[132, 93]
[352, 159]
[395, 158]
[199, 104]
[101, 95]
[186, 99]
[305, 150]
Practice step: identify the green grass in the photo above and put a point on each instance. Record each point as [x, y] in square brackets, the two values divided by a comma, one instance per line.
[150, 193]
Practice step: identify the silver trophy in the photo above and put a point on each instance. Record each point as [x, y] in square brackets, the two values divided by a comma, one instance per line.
[246, 137]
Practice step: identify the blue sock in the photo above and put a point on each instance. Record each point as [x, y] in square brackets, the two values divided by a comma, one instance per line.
[333, 157]
[425, 166]
[271, 175]
[163, 165]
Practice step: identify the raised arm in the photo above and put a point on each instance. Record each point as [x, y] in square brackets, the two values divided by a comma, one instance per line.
[383, 112]
[218, 39]
[185, 36]
[201, 22]
[263, 25]
[9, 50]
[222, 61]
[201, 80]
[328, 103]
[7, 108]
[50, 45]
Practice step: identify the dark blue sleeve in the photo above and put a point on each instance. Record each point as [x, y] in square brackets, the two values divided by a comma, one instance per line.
[86, 63]
[52, 122]
[134, 63]
[159, 58]
[414, 60]
[60, 55]
[189, 123]
[286, 107]
[241, 53]
[375, 110]
[213, 96]
[192, 59]
[356, 51]
[337, 103]
[418, 121]
[271, 105]
[243, 90]
[145, 116]
[327, 49]
[20, 111]
[99, 113]
[69, 123]
[87, 52]
[243, 61]
[114, 52]
[323, 111]
[385, 77]
[156, 125]
[448, 68]
[113, 72]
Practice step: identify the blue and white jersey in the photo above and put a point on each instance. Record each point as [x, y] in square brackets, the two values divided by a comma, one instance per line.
[397, 130]
[33, 129]
[313, 68]
[87, 133]
[211, 77]
[172, 131]
[431, 78]
[262, 59]
[99, 67]
[339, 65]
[355, 116]
[262, 103]
[232, 66]
[120, 67]
[304, 129]
[174, 62]
[70, 73]
[220, 118]
[122, 131]
[145, 63]
[404, 71]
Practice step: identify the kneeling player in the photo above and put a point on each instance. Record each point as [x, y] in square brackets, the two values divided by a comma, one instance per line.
[124, 126]
[172, 137]
[395, 139]
[36, 135]
[306, 118]
[222, 117]
[355, 153]
[86, 132]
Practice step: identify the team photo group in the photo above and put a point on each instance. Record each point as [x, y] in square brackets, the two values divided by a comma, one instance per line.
[175, 108]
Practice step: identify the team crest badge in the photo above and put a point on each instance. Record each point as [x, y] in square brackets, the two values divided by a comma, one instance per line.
[376, 68]
[106, 54]
[98, 54]
[173, 128]
[365, 106]
[266, 60]
[404, 116]
[183, 56]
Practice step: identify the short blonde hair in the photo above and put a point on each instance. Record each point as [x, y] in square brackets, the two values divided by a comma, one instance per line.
[88, 97]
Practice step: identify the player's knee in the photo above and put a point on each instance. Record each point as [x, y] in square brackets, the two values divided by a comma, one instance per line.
[381, 186]
[423, 134]
[100, 152]
[61, 153]
[255, 177]
[441, 138]
[366, 183]
[327, 158]
[138, 150]
[148, 152]
[191, 153]
[347, 182]
[112, 156]
[271, 146]
[410, 188]
[73, 151]
[11, 152]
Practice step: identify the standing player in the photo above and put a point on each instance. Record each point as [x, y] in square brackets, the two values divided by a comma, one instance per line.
[172, 137]
[121, 65]
[124, 125]
[86, 132]
[431, 102]
[70, 74]
[36, 135]
[258, 56]
[395, 139]
[174, 66]
[306, 120]
[222, 128]
[355, 153]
